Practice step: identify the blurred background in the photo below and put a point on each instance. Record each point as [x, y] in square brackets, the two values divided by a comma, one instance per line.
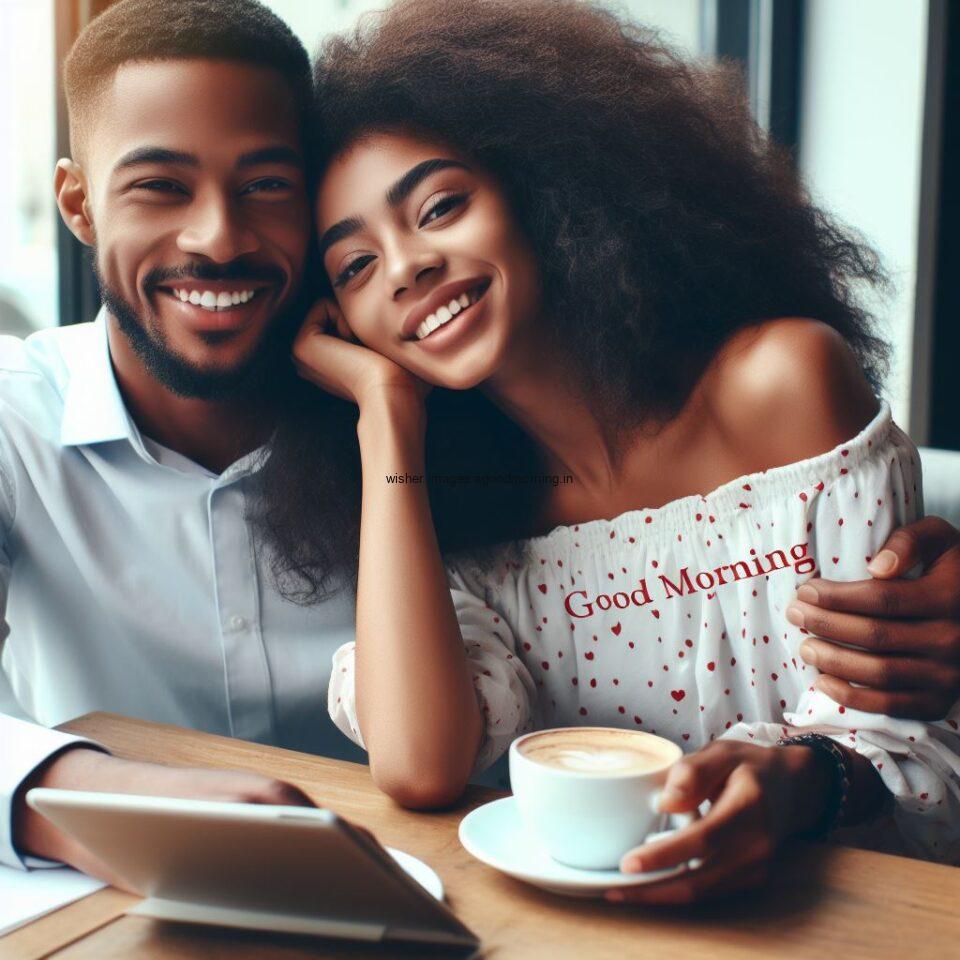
[863, 92]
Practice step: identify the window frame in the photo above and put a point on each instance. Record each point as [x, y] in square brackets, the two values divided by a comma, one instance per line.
[79, 293]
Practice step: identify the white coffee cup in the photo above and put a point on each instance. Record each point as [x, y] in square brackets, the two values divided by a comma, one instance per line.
[590, 794]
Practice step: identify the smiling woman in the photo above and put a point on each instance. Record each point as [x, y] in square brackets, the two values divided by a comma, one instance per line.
[666, 317]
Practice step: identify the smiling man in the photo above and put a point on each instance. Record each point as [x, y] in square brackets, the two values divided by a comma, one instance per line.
[129, 445]
[130, 578]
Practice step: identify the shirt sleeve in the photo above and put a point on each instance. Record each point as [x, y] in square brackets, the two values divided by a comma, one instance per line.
[24, 745]
[506, 692]
[918, 762]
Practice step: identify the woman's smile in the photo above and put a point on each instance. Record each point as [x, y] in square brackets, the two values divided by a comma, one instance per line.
[452, 301]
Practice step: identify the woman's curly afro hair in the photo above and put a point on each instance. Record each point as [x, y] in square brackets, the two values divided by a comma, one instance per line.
[662, 218]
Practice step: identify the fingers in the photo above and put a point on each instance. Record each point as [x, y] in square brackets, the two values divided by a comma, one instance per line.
[918, 543]
[887, 673]
[727, 832]
[906, 704]
[731, 841]
[931, 597]
[280, 793]
[712, 882]
[698, 777]
[928, 638]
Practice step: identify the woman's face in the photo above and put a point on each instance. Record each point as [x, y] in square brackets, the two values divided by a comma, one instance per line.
[427, 261]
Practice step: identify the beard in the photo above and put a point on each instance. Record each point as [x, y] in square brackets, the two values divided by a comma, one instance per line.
[266, 373]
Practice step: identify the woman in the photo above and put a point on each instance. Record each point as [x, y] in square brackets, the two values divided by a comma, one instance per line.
[585, 243]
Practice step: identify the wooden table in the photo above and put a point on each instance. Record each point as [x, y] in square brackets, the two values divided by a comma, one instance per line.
[827, 901]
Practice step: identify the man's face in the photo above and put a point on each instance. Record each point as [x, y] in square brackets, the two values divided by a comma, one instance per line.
[195, 178]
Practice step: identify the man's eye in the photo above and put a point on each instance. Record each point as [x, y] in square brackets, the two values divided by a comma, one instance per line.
[443, 206]
[352, 269]
[266, 185]
[160, 186]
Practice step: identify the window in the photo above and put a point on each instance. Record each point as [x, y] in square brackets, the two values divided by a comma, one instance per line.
[856, 132]
[28, 214]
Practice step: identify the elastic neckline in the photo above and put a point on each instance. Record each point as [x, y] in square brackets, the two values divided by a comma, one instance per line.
[803, 479]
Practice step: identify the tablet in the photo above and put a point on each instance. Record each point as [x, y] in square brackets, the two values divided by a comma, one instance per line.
[291, 869]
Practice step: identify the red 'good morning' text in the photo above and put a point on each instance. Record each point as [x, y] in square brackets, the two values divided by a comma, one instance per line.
[579, 605]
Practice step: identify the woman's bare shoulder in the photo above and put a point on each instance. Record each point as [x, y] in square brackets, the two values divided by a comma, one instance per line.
[786, 390]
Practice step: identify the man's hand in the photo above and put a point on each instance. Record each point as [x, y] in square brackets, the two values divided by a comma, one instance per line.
[759, 797]
[81, 768]
[908, 631]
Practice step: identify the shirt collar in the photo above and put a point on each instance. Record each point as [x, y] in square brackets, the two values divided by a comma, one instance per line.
[93, 409]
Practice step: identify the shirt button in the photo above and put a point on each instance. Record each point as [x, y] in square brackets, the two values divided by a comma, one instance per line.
[237, 622]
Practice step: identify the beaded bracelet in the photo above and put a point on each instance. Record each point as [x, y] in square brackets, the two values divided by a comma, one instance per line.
[843, 775]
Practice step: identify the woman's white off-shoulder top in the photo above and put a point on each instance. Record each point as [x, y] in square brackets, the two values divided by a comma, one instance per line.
[672, 620]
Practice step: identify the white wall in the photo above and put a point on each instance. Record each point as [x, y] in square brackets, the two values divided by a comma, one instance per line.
[862, 110]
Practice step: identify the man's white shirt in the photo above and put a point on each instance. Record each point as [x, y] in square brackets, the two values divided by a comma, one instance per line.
[131, 580]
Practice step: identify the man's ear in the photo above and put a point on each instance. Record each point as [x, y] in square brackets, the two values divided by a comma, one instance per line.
[70, 184]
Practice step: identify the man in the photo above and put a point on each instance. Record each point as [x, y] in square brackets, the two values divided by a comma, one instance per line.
[129, 446]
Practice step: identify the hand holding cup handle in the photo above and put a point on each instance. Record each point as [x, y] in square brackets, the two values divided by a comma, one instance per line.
[671, 822]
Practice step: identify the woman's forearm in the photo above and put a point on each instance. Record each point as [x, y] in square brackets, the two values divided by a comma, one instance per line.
[415, 699]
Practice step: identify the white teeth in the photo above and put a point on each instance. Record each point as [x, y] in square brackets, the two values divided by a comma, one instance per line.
[447, 313]
[210, 300]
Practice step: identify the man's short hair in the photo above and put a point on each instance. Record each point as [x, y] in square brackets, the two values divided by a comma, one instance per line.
[243, 31]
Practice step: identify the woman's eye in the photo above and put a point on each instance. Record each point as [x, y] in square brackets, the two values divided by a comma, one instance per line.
[266, 185]
[442, 207]
[352, 269]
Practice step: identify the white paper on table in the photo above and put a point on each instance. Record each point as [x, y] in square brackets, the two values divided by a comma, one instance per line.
[28, 894]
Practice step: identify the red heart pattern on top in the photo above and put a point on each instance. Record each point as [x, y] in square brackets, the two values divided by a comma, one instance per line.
[732, 626]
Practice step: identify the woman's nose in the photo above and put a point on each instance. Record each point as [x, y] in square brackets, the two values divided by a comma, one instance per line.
[409, 267]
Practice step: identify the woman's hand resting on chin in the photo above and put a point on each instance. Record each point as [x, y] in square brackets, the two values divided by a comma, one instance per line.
[327, 353]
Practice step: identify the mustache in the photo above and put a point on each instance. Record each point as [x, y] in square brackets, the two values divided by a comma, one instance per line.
[238, 270]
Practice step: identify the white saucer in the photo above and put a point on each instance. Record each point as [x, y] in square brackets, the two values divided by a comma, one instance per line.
[424, 875]
[495, 835]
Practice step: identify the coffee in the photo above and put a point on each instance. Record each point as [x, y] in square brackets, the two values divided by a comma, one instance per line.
[598, 751]
[590, 794]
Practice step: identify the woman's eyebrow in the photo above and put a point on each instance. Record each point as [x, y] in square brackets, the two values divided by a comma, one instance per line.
[394, 196]
[416, 175]
[339, 231]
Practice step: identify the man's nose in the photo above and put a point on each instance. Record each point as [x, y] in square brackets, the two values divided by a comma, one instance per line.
[215, 229]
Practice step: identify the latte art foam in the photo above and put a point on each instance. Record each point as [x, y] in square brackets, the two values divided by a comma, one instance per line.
[603, 761]
[599, 751]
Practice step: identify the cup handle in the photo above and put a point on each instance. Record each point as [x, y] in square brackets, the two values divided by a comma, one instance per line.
[680, 820]
[677, 821]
